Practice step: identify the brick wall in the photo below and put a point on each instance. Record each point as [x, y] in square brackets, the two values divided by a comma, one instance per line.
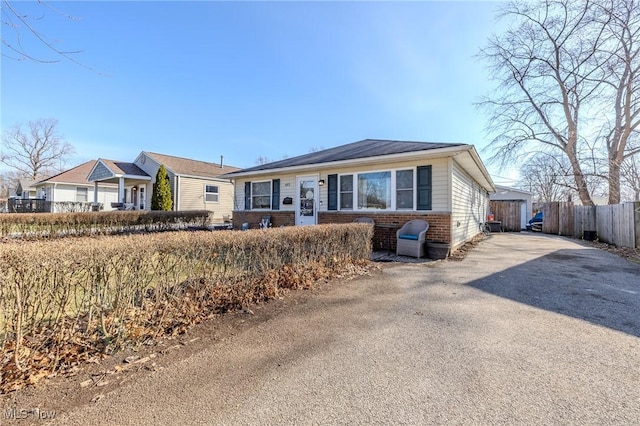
[253, 218]
[387, 224]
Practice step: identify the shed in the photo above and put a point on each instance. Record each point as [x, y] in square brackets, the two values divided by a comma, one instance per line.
[511, 206]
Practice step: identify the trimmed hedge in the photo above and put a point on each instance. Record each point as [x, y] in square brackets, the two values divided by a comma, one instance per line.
[55, 225]
[61, 303]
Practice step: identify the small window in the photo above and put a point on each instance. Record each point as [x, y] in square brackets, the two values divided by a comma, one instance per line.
[211, 194]
[261, 195]
[404, 190]
[346, 192]
[82, 194]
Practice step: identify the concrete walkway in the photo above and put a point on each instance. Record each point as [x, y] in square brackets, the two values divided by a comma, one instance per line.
[528, 329]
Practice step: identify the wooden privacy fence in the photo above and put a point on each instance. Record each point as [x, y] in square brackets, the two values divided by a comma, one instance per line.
[507, 212]
[617, 224]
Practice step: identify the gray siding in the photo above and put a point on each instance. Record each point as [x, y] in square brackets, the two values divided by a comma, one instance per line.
[100, 172]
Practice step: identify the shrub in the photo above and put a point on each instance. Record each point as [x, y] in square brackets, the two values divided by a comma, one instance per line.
[63, 303]
[51, 225]
[161, 198]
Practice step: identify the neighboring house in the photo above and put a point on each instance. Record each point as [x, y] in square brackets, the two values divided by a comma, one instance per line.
[389, 181]
[25, 189]
[195, 185]
[72, 191]
[512, 206]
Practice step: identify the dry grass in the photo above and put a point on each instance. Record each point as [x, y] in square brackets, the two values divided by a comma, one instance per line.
[66, 301]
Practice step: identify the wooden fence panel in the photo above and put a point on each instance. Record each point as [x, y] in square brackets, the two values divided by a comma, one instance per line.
[565, 219]
[636, 222]
[622, 225]
[584, 220]
[550, 220]
[614, 224]
[604, 226]
[507, 212]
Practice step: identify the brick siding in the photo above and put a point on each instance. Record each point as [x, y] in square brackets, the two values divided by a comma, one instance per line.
[387, 224]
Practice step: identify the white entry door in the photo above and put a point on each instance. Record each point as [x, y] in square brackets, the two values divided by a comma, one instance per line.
[307, 200]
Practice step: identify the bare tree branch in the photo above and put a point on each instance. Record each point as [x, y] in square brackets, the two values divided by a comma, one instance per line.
[23, 26]
[38, 151]
[567, 77]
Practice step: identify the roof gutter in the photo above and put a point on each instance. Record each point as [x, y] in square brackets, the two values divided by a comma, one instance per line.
[482, 168]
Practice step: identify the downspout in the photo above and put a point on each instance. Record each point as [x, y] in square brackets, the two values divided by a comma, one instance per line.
[176, 199]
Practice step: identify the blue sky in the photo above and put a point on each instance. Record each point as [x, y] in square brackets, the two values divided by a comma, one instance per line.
[249, 79]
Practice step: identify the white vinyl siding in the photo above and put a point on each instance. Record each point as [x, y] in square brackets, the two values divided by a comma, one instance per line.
[468, 205]
[67, 193]
[439, 182]
[193, 197]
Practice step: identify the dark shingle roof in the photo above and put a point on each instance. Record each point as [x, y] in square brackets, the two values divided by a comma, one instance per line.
[124, 168]
[352, 151]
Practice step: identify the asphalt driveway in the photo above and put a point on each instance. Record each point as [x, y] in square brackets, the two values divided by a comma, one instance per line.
[528, 329]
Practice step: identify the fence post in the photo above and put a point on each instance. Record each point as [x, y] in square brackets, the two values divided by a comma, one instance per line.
[636, 222]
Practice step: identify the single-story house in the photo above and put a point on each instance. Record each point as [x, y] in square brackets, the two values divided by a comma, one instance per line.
[72, 191]
[513, 207]
[25, 189]
[389, 181]
[195, 185]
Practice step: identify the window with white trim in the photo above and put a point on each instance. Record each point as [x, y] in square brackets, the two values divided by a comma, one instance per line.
[82, 194]
[261, 195]
[401, 190]
[346, 192]
[374, 190]
[404, 190]
[211, 193]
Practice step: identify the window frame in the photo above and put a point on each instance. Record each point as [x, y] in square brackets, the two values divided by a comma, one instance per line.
[86, 194]
[207, 192]
[413, 189]
[269, 194]
[340, 192]
[394, 190]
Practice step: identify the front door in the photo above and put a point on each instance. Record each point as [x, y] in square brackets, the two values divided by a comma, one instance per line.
[307, 200]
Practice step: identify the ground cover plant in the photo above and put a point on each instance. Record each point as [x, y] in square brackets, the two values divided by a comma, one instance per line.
[67, 301]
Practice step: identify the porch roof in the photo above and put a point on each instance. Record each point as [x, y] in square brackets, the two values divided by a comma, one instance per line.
[111, 171]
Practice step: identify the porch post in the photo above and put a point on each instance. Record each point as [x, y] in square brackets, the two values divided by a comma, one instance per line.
[95, 193]
[146, 188]
[121, 190]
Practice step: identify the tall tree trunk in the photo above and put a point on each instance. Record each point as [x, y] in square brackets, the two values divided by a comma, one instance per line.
[614, 181]
[581, 182]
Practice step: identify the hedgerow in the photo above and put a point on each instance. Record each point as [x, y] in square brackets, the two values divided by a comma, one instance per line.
[54, 225]
[65, 301]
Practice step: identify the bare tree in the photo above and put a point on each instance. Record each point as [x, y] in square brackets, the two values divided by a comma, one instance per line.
[630, 176]
[548, 177]
[557, 67]
[37, 151]
[261, 160]
[621, 50]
